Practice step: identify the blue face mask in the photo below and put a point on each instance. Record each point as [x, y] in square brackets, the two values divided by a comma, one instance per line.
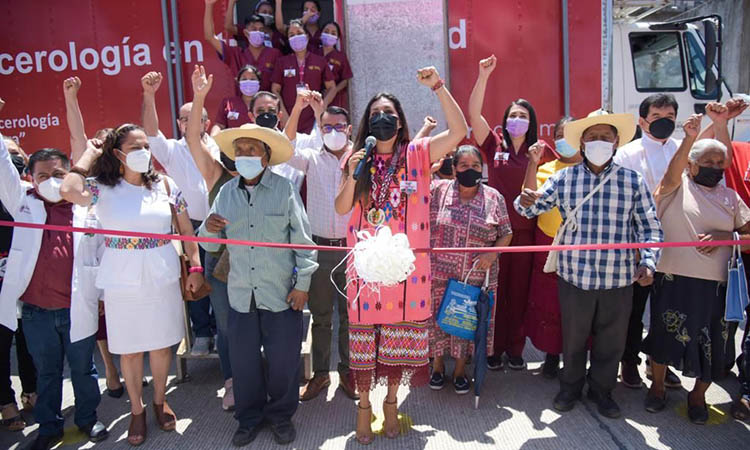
[248, 166]
[564, 149]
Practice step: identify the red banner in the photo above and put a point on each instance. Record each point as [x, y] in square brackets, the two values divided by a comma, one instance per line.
[526, 37]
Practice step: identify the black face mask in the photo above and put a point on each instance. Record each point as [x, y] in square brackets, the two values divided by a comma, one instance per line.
[447, 167]
[383, 126]
[19, 163]
[708, 176]
[661, 128]
[267, 120]
[228, 163]
[469, 177]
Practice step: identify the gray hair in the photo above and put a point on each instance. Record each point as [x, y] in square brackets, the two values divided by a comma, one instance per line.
[704, 146]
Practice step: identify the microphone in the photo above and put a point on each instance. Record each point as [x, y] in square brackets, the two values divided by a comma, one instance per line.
[369, 145]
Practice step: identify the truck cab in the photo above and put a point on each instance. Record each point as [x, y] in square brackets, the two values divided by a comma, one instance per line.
[671, 57]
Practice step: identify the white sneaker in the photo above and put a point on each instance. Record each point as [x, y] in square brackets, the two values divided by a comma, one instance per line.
[227, 403]
[201, 346]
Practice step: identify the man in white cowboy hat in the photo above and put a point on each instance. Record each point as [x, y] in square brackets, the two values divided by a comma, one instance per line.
[601, 203]
[267, 286]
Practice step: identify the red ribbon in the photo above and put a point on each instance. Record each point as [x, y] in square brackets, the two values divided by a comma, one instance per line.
[514, 249]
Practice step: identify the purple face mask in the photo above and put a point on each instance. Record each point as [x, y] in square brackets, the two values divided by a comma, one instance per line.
[298, 42]
[314, 18]
[328, 40]
[256, 38]
[517, 126]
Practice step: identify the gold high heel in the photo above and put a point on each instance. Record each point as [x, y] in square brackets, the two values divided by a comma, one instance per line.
[391, 425]
[364, 433]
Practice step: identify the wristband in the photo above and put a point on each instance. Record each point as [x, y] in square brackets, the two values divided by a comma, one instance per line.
[196, 269]
[438, 85]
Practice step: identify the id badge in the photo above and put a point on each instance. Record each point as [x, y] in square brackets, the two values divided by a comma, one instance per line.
[301, 87]
[290, 73]
[233, 115]
[408, 187]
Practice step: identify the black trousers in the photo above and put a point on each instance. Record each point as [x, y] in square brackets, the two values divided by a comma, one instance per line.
[635, 325]
[265, 389]
[26, 369]
[603, 315]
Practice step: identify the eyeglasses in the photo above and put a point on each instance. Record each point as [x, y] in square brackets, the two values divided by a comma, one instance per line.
[340, 127]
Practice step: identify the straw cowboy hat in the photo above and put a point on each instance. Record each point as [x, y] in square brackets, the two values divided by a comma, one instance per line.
[624, 123]
[281, 147]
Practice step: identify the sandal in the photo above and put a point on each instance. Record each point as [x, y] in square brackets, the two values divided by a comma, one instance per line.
[165, 417]
[137, 429]
[364, 434]
[391, 425]
[28, 400]
[15, 422]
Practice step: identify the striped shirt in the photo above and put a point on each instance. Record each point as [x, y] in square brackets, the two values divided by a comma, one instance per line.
[272, 211]
[621, 211]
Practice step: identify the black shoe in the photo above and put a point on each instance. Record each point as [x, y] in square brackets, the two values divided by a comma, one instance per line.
[630, 376]
[284, 432]
[96, 431]
[605, 404]
[551, 366]
[698, 414]
[46, 442]
[565, 400]
[437, 381]
[516, 363]
[461, 385]
[655, 404]
[495, 362]
[244, 436]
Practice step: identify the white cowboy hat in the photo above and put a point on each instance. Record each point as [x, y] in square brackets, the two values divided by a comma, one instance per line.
[625, 124]
[281, 147]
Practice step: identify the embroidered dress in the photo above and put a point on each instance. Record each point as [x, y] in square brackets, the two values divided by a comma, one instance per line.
[477, 223]
[140, 277]
[388, 335]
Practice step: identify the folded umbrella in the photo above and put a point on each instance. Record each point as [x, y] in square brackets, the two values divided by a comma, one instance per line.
[480, 338]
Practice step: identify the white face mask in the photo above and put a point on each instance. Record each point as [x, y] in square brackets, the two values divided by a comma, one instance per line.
[138, 160]
[249, 166]
[598, 152]
[335, 140]
[50, 189]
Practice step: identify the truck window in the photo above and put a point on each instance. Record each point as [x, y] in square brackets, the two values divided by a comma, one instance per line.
[657, 61]
[697, 69]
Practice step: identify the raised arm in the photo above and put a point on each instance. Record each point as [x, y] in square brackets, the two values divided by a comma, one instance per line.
[229, 26]
[532, 167]
[209, 168]
[673, 177]
[302, 102]
[75, 118]
[429, 124]
[11, 189]
[479, 126]
[73, 188]
[280, 25]
[446, 141]
[208, 26]
[150, 84]
[345, 196]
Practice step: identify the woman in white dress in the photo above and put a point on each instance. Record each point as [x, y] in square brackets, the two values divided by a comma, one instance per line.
[140, 277]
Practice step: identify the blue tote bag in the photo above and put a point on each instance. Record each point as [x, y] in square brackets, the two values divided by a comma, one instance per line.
[458, 312]
[737, 295]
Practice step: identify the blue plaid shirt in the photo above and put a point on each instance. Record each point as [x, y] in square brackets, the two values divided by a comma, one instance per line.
[622, 211]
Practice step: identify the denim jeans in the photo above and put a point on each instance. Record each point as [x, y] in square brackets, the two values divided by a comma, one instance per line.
[48, 338]
[200, 310]
[220, 305]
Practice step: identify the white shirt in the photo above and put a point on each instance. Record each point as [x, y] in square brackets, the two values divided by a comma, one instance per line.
[175, 156]
[647, 157]
[323, 171]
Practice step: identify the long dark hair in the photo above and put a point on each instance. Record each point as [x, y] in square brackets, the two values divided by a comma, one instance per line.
[531, 135]
[108, 168]
[364, 183]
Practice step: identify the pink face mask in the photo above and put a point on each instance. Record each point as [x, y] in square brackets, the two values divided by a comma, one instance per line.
[517, 126]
